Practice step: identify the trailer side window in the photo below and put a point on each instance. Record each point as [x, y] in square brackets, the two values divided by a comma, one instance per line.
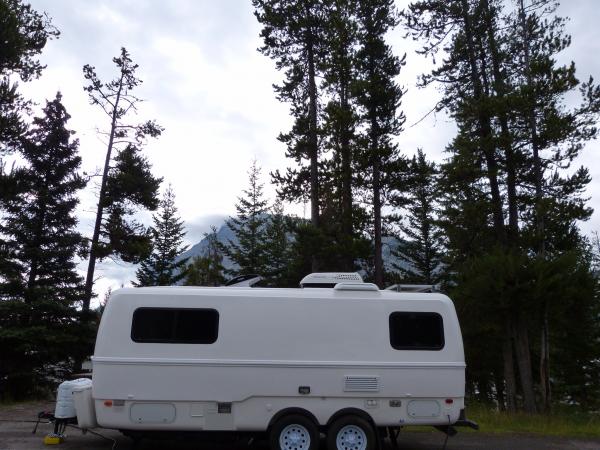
[416, 331]
[175, 325]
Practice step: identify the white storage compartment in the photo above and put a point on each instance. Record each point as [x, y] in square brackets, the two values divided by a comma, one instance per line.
[84, 405]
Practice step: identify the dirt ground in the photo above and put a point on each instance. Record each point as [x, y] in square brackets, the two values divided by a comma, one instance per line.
[16, 424]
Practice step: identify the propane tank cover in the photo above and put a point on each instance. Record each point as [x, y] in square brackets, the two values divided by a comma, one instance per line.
[65, 404]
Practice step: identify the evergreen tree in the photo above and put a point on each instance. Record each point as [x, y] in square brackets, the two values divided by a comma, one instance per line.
[339, 124]
[39, 284]
[504, 88]
[553, 136]
[24, 33]
[293, 35]
[207, 270]
[420, 246]
[459, 27]
[127, 183]
[277, 247]
[164, 267]
[305, 242]
[379, 98]
[249, 252]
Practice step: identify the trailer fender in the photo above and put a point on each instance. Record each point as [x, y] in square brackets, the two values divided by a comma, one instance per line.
[293, 410]
[351, 412]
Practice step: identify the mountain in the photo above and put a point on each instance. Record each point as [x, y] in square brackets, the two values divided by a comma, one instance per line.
[225, 234]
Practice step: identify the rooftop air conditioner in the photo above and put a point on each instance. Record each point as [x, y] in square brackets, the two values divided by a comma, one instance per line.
[329, 279]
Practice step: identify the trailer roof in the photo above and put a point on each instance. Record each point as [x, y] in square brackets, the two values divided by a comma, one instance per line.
[292, 293]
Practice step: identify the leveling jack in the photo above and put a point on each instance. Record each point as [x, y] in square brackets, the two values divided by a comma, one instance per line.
[60, 425]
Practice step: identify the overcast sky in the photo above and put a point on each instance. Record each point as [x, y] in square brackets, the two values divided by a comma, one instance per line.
[205, 82]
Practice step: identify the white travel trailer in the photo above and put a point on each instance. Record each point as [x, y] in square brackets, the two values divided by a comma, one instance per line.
[348, 361]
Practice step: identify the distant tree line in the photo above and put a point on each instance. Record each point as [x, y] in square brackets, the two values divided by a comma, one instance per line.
[496, 224]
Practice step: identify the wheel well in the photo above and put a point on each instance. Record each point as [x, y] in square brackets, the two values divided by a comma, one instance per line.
[351, 412]
[288, 411]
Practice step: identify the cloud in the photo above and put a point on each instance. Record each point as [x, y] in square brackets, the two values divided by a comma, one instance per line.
[196, 227]
[207, 85]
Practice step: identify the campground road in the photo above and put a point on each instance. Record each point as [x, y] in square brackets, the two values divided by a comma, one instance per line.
[16, 427]
[17, 436]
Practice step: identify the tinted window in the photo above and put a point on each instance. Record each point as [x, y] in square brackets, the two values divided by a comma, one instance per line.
[416, 331]
[175, 325]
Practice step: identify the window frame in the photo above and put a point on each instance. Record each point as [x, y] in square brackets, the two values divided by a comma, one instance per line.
[174, 325]
[418, 348]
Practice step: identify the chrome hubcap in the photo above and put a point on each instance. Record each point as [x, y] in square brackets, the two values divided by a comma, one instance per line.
[294, 437]
[351, 437]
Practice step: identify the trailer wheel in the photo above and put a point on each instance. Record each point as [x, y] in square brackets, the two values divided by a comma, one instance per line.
[294, 432]
[351, 433]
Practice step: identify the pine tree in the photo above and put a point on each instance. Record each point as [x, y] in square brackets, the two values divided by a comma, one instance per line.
[127, 183]
[207, 270]
[249, 252]
[420, 246]
[502, 85]
[379, 97]
[293, 35]
[39, 284]
[277, 247]
[24, 33]
[553, 136]
[164, 267]
[461, 28]
[340, 120]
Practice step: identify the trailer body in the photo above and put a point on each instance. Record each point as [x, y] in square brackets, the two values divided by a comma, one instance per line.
[239, 359]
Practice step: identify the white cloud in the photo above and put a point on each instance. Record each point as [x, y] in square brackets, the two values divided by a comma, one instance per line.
[207, 85]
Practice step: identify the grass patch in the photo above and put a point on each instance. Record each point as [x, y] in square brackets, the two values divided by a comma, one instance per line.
[567, 422]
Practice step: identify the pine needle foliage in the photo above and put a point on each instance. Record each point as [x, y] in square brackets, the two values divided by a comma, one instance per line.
[164, 267]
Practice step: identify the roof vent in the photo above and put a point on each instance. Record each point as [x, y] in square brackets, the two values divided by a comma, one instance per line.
[329, 279]
[345, 286]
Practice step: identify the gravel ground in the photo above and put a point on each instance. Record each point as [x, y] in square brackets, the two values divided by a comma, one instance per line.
[15, 434]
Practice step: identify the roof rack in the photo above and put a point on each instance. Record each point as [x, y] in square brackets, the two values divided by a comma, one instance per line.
[414, 288]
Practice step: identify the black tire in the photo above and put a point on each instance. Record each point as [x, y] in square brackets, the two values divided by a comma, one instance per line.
[355, 421]
[305, 425]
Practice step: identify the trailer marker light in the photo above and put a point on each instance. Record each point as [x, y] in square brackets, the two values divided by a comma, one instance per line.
[449, 401]
[108, 403]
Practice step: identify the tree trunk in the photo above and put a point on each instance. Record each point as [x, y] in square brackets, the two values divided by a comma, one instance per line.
[539, 214]
[89, 280]
[34, 265]
[485, 130]
[376, 163]
[346, 156]
[505, 141]
[377, 218]
[509, 369]
[500, 397]
[313, 142]
[545, 362]
[42, 209]
[524, 363]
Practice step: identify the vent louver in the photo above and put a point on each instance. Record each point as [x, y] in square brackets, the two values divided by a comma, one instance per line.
[329, 279]
[361, 383]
